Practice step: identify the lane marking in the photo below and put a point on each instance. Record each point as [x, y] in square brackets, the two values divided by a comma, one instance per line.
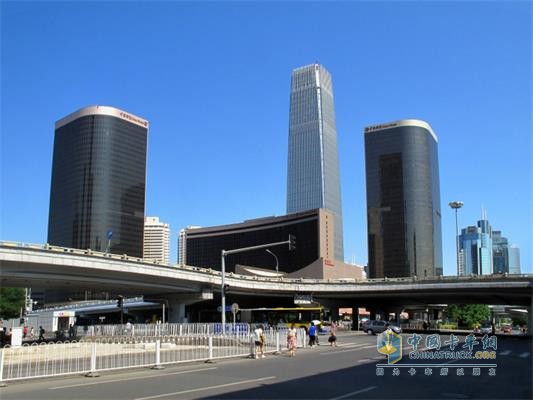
[131, 379]
[524, 355]
[325, 353]
[368, 389]
[351, 345]
[505, 353]
[205, 388]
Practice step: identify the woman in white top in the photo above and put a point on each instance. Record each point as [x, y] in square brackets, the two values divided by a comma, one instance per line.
[291, 341]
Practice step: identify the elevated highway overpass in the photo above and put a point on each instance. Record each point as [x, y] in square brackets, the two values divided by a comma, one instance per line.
[26, 265]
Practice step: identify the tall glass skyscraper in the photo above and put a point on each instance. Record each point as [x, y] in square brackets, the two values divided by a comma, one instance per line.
[313, 179]
[475, 243]
[500, 253]
[98, 181]
[514, 260]
[403, 200]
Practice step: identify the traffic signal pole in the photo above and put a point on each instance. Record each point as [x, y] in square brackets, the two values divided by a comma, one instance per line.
[292, 245]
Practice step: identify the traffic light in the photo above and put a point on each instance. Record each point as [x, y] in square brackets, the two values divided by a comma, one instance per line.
[120, 301]
[292, 242]
[226, 289]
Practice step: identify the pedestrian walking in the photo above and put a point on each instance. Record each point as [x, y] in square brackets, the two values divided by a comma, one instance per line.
[25, 332]
[292, 342]
[41, 333]
[32, 332]
[71, 332]
[259, 340]
[333, 335]
[312, 335]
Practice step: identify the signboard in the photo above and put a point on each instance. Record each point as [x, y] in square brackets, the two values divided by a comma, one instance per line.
[64, 313]
[207, 295]
[303, 299]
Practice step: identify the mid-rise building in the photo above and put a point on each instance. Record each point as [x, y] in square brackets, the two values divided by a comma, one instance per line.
[313, 256]
[313, 179]
[403, 200]
[156, 245]
[98, 181]
[475, 243]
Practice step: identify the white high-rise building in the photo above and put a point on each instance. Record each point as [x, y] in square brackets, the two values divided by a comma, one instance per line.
[156, 240]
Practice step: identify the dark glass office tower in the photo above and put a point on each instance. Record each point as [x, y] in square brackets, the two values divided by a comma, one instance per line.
[403, 200]
[98, 181]
[313, 179]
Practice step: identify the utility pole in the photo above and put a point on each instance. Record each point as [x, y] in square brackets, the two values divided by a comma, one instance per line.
[223, 287]
[456, 205]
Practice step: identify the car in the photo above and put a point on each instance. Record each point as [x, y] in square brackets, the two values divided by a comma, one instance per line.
[506, 328]
[374, 326]
[486, 327]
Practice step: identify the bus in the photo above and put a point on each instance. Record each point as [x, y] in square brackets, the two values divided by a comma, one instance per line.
[301, 317]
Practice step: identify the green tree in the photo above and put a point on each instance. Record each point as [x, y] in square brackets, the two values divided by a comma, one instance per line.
[468, 315]
[11, 301]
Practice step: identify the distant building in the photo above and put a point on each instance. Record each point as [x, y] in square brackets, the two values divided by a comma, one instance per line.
[313, 179]
[312, 258]
[475, 243]
[403, 200]
[514, 260]
[182, 248]
[500, 253]
[156, 240]
[98, 181]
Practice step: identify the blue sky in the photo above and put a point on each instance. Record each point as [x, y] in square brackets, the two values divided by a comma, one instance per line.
[213, 79]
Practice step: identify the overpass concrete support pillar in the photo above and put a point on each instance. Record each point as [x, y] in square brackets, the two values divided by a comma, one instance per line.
[355, 318]
[397, 311]
[177, 312]
[530, 318]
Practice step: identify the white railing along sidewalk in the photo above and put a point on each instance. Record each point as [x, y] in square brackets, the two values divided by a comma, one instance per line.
[109, 353]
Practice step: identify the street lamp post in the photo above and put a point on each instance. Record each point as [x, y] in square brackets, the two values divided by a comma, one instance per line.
[276, 257]
[456, 205]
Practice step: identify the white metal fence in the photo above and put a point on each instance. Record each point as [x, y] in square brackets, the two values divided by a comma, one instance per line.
[174, 329]
[107, 353]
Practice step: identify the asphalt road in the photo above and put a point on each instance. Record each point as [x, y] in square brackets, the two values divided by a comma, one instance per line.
[349, 371]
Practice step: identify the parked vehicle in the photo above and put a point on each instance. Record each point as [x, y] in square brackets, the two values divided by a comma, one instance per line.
[486, 327]
[372, 327]
[506, 328]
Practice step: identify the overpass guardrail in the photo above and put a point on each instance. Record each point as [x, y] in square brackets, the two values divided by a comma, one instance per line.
[209, 271]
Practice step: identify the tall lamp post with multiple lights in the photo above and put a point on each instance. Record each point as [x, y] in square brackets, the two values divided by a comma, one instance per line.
[456, 205]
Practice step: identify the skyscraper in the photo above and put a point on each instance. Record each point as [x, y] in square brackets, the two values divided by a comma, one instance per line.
[514, 260]
[475, 243]
[500, 253]
[313, 179]
[98, 181]
[156, 245]
[403, 200]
